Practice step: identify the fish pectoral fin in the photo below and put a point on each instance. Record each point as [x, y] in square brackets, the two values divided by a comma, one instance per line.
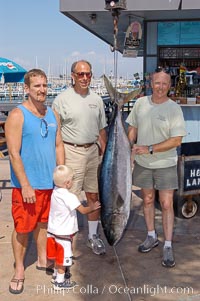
[120, 201]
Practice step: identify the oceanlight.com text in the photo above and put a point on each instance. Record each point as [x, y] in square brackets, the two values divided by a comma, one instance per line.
[114, 289]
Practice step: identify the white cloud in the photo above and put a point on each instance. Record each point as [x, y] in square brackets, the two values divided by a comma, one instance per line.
[91, 53]
[75, 54]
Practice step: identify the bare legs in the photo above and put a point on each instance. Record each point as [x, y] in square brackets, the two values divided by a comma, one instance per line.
[148, 208]
[19, 244]
[92, 197]
[40, 236]
[166, 201]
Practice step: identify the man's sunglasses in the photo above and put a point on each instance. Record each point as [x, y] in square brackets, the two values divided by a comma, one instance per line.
[44, 128]
[82, 74]
[161, 69]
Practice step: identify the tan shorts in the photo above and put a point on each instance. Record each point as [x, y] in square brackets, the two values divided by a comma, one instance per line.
[160, 178]
[84, 162]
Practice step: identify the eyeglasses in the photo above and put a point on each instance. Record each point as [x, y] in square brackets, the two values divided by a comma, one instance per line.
[43, 128]
[82, 74]
[161, 69]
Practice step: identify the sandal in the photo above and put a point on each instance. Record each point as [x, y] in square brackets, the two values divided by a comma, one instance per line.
[19, 282]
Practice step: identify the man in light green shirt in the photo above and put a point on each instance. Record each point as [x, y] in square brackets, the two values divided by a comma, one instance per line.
[156, 126]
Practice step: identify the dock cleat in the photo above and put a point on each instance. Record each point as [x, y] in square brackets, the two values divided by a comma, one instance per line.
[97, 245]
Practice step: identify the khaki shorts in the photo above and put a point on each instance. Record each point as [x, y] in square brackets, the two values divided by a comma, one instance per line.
[84, 162]
[160, 179]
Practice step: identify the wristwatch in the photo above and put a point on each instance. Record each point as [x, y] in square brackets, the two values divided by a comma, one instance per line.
[150, 149]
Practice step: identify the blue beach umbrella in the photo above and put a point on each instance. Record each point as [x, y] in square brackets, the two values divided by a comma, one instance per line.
[10, 72]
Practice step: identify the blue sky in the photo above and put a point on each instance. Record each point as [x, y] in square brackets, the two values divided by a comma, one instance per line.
[35, 33]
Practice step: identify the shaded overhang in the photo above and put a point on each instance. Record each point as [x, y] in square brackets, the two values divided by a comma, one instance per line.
[92, 15]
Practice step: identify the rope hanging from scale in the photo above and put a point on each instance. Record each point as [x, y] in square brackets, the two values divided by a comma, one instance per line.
[114, 48]
[115, 15]
[115, 6]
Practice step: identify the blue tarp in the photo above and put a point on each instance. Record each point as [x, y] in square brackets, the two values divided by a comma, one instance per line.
[10, 72]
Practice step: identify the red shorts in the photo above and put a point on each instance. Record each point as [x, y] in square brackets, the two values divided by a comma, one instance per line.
[59, 250]
[27, 215]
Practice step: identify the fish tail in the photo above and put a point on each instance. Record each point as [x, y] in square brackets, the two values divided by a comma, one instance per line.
[118, 97]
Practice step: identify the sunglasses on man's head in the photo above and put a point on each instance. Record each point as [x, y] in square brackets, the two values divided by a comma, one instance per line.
[82, 74]
[161, 69]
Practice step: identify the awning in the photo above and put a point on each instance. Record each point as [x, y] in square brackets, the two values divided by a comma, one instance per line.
[10, 72]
